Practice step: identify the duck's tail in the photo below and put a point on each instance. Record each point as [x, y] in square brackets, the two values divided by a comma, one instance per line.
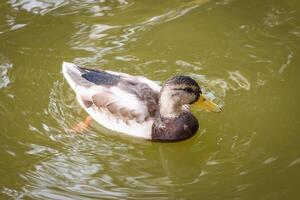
[73, 74]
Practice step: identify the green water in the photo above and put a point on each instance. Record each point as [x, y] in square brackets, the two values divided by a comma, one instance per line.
[243, 53]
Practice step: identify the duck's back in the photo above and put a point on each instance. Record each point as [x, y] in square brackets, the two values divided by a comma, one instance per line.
[118, 101]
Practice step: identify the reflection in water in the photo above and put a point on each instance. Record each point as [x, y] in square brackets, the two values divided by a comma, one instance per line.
[62, 107]
[240, 80]
[4, 67]
[277, 17]
[297, 161]
[216, 88]
[185, 64]
[185, 164]
[89, 168]
[270, 160]
[173, 14]
[288, 61]
[97, 31]
[13, 194]
[125, 34]
[36, 6]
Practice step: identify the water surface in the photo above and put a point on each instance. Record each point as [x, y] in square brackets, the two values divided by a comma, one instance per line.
[243, 53]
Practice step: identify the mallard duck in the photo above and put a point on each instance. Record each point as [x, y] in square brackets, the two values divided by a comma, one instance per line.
[137, 106]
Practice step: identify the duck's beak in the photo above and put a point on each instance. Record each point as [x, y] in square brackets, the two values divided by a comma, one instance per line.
[206, 105]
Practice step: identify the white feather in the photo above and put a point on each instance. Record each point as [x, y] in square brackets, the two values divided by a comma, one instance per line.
[67, 68]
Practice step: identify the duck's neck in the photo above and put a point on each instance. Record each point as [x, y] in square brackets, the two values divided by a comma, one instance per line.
[169, 107]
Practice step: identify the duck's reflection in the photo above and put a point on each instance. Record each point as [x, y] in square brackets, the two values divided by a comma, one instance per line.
[184, 161]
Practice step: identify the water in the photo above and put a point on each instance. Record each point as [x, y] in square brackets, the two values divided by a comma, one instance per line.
[243, 53]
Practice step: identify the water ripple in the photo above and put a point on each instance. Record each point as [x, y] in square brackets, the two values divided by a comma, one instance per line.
[240, 80]
[85, 38]
[216, 88]
[36, 6]
[4, 67]
[296, 161]
[288, 61]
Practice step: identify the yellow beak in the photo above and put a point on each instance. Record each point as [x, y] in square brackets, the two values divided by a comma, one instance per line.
[206, 105]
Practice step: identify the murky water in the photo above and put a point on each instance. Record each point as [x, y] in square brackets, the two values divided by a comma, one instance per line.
[243, 53]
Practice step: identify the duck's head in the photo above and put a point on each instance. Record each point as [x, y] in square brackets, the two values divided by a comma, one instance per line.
[183, 90]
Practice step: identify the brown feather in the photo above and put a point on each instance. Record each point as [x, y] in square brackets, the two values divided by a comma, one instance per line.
[108, 103]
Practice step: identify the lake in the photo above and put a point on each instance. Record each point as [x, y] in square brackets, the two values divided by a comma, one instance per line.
[244, 54]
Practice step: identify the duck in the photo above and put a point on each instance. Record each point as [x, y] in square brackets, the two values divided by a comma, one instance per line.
[137, 106]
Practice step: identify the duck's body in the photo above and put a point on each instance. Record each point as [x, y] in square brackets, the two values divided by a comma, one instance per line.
[133, 105]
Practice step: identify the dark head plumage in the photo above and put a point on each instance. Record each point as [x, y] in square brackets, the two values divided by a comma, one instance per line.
[178, 80]
[184, 85]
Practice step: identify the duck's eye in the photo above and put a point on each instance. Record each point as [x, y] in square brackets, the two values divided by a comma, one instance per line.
[189, 90]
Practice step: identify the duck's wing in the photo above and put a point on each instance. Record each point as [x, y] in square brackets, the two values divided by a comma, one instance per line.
[118, 101]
